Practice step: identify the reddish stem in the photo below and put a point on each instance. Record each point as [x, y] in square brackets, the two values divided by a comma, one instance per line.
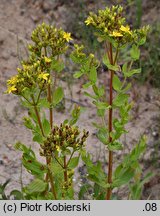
[110, 165]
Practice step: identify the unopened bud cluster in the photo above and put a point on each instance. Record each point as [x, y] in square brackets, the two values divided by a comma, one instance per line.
[46, 36]
[111, 25]
[48, 43]
[78, 56]
[33, 74]
[62, 138]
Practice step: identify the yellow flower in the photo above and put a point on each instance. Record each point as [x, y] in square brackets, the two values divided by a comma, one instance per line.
[25, 67]
[89, 20]
[13, 80]
[11, 89]
[125, 29]
[43, 76]
[47, 60]
[116, 34]
[67, 36]
[58, 148]
[91, 55]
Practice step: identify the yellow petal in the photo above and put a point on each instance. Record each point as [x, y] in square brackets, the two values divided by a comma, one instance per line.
[89, 20]
[11, 89]
[47, 60]
[125, 29]
[116, 34]
[43, 76]
[67, 36]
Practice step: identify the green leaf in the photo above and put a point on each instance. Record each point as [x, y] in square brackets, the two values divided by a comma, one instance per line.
[124, 177]
[78, 74]
[17, 195]
[3, 186]
[120, 100]
[95, 89]
[136, 191]
[46, 126]
[65, 121]
[114, 146]
[58, 96]
[118, 171]
[36, 186]
[30, 162]
[25, 103]
[99, 193]
[132, 72]
[32, 165]
[109, 65]
[101, 112]
[91, 96]
[142, 41]
[101, 91]
[93, 75]
[57, 65]
[75, 115]
[66, 152]
[32, 114]
[135, 52]
[117, 85]
[28, 123]
[86, 85]
[73, 163]
[126, 88]
[125, 68]
[138, 150]
[102, 135]
[101, 105]
[43, 102]
[21, 147]
[97, 175]
[146, 178]
[86, 157]
[37, 138]
[2, 190]
[83, 190]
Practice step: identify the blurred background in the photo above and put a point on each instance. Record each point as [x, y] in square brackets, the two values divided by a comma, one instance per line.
[18, 18]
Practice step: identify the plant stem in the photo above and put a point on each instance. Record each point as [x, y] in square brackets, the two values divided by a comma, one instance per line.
[65, 170]
[38, 116]
[70, 158]
[49, 98]
[110, 165]
[50, 109]
[65, 174]
[48, 159]
[59, 162]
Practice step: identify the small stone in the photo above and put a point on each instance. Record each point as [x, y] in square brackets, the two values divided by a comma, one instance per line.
[1, 162]
[34, 18]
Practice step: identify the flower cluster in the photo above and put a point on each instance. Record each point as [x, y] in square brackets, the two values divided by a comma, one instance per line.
[110, 24]
[33, 74]
[62, 138]
[48, 43]
[46, 36]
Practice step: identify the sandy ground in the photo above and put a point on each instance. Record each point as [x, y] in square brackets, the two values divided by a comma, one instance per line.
[17, 20]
